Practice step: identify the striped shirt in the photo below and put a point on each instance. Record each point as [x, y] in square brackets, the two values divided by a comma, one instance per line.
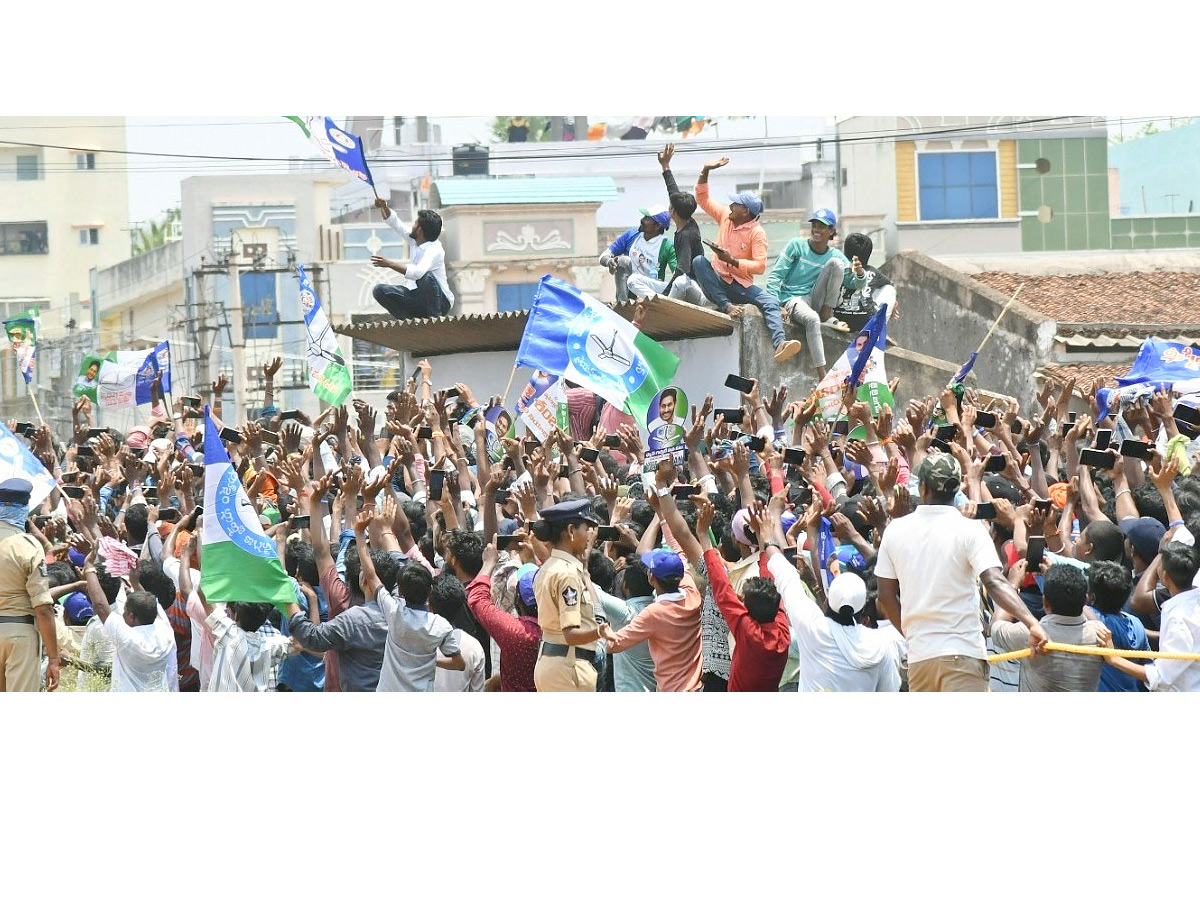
[242, 661]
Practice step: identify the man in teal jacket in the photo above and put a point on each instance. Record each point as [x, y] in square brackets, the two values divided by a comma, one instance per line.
[807, 281]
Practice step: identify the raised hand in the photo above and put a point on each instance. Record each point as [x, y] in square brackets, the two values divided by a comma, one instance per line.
[665, 155]
[716, 163]
[219, 386]
[362, 521]
[777, 404]
[269, 369]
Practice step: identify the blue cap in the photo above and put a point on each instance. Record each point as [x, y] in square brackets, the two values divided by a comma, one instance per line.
[569, 511]
[663, 564]
[750, 200]
[824, 215]
[15, 490]
[507, 526]
[77, 608]
[525, 587]
[659, 214]
[849, 556]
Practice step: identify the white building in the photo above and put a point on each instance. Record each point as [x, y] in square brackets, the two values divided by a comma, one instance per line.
[63, 211]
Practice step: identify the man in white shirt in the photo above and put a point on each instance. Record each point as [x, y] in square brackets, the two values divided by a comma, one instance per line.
[927, 568]
[467, 680]
[1180, 630]
[143, 641]
[426, 292]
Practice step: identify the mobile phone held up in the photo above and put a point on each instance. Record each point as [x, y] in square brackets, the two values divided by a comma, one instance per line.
[608, 533]
[794, 455]
[738, 383]
[1137, 449]
[995, 463]
[437, 481]
[506, 541]
[1035, 554]
[985, 510]
[985, 419]
[1097, 459]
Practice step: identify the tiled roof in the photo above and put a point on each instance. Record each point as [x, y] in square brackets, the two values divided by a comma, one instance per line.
[1084, 373]
[666, 320]
[473, 191]
[1142, 298]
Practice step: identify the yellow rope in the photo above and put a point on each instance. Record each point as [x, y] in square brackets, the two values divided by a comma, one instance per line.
[1095, 651]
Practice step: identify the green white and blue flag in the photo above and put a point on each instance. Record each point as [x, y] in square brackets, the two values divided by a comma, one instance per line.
[328, 374]
[571, 334]
[339, 147]
[240, 564]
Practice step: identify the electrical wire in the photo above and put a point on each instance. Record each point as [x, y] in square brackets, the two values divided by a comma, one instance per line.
[619, 150]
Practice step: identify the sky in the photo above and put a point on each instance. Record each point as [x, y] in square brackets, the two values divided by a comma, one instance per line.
[154, 183]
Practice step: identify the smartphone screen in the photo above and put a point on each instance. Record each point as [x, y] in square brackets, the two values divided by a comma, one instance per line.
[608, 533]
[613, 441]
[298, 522]
[1189, 414]
[502, 497]
[425, 433]
[289, 414]
[73, 490]
[193, 402]
[589, 454]
[437, 480]
[270, 437]
[732, 414]
[1033, 556]
[506, 541]
[939, 445]
[451, 392]
[842, 427]
[1016, 427]
[1042, 506]
[794, 455]
[738, 383]
[985, 419]
[985, 510]
[947, 432]
[683, 491]
[1137, 449]
[96, 432]
[1097, 459]
[231, 435]
[1103, 438]
[995, 463]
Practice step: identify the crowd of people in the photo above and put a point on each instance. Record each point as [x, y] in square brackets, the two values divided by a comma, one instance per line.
[429, 551]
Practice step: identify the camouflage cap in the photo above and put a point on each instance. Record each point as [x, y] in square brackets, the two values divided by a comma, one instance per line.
[940, 471]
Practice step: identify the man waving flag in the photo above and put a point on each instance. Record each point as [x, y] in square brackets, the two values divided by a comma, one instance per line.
[240, 564]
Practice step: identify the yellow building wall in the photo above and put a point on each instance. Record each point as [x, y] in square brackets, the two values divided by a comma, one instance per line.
[906, 181]
[1008, 179]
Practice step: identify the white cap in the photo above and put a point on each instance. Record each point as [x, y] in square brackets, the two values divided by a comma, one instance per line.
[849, 590]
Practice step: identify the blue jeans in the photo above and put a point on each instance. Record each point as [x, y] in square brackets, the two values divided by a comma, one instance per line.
[723, 293]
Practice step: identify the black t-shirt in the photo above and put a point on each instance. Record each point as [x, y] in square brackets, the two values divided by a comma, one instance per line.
[857, 306]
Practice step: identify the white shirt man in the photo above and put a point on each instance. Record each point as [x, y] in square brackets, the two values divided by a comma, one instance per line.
[429, 257]
[144, 656]
[834, 657]
[1179, 633]
[472, 678]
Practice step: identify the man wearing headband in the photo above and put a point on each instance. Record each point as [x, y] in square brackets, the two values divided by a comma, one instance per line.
[927, 568]
[26, 607]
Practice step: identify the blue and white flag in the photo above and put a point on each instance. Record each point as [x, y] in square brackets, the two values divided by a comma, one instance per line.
[571, 334]
[18, 461]
[1159, 366]
[826, 550]
[966, 367]
[339, 147]
[162, 363]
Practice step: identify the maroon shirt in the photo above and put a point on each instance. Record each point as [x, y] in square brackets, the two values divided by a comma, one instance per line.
[516, 636]
[760, 651]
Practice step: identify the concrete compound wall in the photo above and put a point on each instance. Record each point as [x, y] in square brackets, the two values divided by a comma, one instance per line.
[945, 314]
[919, 373]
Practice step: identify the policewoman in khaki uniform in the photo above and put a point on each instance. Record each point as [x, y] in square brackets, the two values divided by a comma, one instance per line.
[26, 608]
[567, 655]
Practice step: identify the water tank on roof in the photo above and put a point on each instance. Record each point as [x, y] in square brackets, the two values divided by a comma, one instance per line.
[470, 159]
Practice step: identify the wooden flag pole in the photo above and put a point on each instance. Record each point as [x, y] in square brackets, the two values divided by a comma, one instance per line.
[999, 317]
[508, 387]
[36, 408]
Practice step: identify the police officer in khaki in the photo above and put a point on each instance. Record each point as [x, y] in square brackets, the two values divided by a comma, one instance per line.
[567, 656]
[26, 608]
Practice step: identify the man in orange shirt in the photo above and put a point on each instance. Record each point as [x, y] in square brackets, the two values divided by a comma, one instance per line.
[739, 254]
[672, 622]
